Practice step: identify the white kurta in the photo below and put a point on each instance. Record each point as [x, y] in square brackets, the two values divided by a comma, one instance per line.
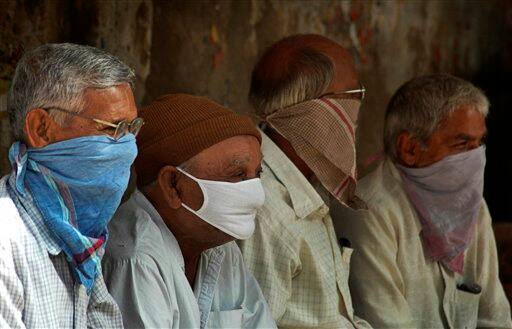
[393, 285]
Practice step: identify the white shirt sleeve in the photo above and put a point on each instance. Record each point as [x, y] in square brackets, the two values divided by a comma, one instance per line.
[11, 290]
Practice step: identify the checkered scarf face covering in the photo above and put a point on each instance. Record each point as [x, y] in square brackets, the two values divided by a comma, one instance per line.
[322, 132]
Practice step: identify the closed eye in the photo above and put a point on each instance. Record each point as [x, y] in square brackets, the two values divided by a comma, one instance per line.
[238, 176]
[107, 130]
[461, 144]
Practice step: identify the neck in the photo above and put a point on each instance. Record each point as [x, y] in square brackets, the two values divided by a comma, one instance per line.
[287, 148]
[190, 248]
[191, 258]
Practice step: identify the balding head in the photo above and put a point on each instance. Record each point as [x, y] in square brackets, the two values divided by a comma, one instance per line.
[300, 68]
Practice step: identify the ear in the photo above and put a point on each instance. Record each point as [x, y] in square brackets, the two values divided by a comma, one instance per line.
[167, 183]
[408, 149]
[37, 128]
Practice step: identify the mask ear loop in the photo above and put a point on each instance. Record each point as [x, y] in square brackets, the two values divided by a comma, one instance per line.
[203, 190]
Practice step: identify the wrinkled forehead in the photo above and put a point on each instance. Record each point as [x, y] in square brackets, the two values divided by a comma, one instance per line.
[237, 151]
[114, 103]
[466, 120]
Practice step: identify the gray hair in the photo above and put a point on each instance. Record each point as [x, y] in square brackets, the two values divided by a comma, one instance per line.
[419, 106]
[56, 75]
[307, 76]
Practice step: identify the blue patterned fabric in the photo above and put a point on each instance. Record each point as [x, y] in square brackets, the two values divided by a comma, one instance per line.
[77, 185]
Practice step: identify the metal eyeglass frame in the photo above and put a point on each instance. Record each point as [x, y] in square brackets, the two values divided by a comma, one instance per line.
[361, 90]
[122, 128]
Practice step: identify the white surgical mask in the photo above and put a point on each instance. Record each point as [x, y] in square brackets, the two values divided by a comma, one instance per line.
[230, 207]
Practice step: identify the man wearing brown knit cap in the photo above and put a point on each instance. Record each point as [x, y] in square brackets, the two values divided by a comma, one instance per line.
[171, 261]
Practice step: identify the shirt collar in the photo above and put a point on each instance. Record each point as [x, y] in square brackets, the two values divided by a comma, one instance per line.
[304, 198]
[207, 279]
[393, 169]
[32, 217]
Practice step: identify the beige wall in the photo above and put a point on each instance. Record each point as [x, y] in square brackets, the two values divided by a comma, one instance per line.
[209, 47]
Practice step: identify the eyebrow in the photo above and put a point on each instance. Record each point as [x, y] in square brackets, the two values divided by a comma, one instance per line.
[470, 137]
[464, 136]
[116, 119]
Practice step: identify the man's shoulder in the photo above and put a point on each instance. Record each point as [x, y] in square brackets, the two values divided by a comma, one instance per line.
[380, 181]
[17, 241]
[384, 194]
[132, 233]
[10, 219]
[6, 201]
[382, 188]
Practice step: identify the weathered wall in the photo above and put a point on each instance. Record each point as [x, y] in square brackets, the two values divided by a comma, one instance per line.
[123, 28]
[32, 24]
[209, 47]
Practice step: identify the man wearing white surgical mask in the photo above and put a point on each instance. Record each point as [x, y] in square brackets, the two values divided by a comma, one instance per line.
[426, 254]
[172, 262]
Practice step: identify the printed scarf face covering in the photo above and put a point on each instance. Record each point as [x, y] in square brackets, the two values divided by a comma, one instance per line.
[77, 185]
[447, 196]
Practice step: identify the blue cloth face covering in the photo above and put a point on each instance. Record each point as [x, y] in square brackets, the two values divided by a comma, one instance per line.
[77, 186]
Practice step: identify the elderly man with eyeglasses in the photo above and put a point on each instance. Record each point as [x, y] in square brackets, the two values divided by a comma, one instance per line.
[306, 90]
[426, 254]
[73, 118]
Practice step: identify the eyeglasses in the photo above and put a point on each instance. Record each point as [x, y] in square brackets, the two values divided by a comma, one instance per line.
[361, 91]
[122, 128]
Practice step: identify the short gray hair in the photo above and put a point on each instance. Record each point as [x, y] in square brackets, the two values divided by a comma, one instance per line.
[307, 75]
[56, 75]
[419, 106]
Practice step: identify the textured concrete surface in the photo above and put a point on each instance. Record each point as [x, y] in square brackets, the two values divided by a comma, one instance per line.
[209, 47]
[121, 27]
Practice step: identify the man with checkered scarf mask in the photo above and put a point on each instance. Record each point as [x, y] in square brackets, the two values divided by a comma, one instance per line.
[306, 91]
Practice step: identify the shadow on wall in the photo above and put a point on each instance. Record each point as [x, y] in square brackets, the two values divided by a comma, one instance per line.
[495, 77]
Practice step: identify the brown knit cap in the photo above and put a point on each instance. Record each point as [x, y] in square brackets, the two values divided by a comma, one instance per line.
[179, 126]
